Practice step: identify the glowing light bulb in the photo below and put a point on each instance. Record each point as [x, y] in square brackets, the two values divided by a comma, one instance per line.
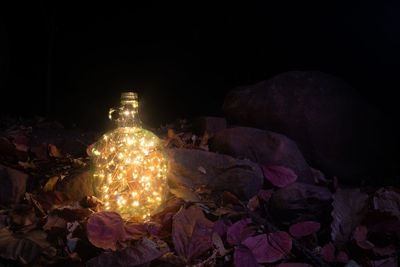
[129, 166]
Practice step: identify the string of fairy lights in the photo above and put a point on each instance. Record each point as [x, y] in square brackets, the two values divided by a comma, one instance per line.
[129, 169]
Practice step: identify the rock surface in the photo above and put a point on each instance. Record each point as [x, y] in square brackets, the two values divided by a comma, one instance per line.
[337, 131]
[195, 168]
[12, 185]
[77, 185]
[264, 147]
[301, 202]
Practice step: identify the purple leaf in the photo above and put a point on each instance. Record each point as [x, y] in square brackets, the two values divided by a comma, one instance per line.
[243, 257]
[278, 175]
[220, 227]
[268, 248]
[104, 229]
[239, 231]
[328, 252]
[304, 228]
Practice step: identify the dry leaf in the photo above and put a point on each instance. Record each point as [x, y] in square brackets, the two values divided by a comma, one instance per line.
[49, 186]
[268, 248]
[191, 233]
[349, 207]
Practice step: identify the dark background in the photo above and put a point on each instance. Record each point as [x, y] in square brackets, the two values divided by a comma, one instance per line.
[70, 60]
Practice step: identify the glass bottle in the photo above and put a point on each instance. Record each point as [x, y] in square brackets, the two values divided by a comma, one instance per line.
[129, 165]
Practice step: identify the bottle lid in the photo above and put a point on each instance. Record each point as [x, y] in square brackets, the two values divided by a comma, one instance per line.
[129, 96]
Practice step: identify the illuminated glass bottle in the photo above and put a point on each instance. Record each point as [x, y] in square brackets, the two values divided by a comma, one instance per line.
[129, 165]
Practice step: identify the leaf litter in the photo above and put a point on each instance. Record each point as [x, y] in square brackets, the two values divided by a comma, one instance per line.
[48, 227]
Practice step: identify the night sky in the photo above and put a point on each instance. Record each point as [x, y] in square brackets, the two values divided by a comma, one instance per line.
[70, 60]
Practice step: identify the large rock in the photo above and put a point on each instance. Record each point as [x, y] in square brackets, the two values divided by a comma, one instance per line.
[210, 125]
[301, 202]
[12, 185]
[265, 147]
[195, 168]
[77, 185]
[337, 131]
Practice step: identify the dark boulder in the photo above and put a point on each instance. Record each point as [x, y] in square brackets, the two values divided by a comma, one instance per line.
[336, 129]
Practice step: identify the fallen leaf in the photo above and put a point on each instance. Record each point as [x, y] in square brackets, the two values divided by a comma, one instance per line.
[24, 247]
[51, 199]
[134, 231]
[328, 252]
[191, 233]
[304, 228]
[265, 194]
[55, 152]
[49, 186]
[342, 257]
[219, 244]
[389, 201]
[268, 248]
[349, 207]
[253, 203]
[243, 257]
[105, 229]
[221, 227]
[278, 175]
[54, 221]
[138, 254]
[21, 143]
[239, 231]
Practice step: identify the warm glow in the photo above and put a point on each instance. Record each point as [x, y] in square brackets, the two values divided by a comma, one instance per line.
[129, 170]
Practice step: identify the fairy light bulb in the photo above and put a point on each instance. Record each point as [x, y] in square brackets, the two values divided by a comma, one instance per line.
[129, 165]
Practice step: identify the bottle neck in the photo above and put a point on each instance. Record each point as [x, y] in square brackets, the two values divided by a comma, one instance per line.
[129, 114]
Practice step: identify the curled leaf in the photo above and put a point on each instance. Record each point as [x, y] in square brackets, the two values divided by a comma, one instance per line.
[278, 175]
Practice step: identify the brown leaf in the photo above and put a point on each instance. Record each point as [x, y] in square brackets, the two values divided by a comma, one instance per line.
[55, 152]
[54, 221]
[191, 233]
[49, 186]
[253, 203]
[105, 229]
[49, 200]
